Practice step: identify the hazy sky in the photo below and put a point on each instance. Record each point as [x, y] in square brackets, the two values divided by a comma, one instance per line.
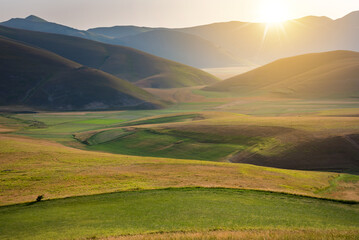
[85, 14]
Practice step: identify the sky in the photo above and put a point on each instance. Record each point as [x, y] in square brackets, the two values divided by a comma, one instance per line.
[84, 14]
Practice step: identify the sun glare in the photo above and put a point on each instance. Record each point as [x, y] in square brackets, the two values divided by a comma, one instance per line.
[273, 11]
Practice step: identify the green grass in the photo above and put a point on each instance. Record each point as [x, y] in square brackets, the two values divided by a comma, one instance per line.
[192, 209]
[107, 136]
[156, 144]
[158, 120]
[101, 121]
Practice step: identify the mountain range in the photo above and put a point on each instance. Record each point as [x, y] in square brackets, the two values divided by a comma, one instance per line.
[140, 68]
[221, 44]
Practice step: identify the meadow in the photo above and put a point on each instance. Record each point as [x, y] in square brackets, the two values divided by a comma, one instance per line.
[169, 173]
[170, 210]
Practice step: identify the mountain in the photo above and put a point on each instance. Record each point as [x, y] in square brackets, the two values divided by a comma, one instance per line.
[39, 79]
[34, 23]
[320, 75]
[180, 47]
[119, 31]
[261, 43]
[222, 44]
[126, 63]
[177, 46]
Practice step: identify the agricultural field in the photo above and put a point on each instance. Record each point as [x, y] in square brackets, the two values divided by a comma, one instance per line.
[192, 162]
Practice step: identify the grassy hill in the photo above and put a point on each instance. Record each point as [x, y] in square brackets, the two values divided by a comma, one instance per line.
[113, 195]
[320, 75]
[43, 80]
[174, 210]
[308, 143]
[126, 63]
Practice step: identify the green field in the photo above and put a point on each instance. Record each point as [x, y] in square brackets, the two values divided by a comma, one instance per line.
[169, 210]
[168, 173]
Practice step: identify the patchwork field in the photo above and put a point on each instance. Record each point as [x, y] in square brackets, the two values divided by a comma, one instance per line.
[31, 167]
[130, 174]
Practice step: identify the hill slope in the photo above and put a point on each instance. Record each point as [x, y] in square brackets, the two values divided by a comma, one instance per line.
[319, 75]
[43, 80]
[129, 64]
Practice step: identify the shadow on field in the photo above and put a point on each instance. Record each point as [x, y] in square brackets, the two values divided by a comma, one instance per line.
[334, 154]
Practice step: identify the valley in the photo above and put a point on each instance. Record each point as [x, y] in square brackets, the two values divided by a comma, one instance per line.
[230, 130]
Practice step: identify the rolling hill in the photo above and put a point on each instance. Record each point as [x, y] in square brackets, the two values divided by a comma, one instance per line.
[319, 75]
[126, 63]
[39, 79]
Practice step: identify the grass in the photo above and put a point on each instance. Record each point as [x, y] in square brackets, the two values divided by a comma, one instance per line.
[31, 167]
[102, 121]
[167, 210]
[273, 234]
[166, 119]
[174, 144]
[155, 144]
[213, 136]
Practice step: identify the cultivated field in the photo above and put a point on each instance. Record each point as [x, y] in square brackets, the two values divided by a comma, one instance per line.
[169, 174]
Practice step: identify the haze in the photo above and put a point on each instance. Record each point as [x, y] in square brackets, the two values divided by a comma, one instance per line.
[86, 14]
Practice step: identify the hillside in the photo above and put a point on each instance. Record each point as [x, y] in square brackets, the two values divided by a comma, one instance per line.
[126, 63]
[180, 47]
[320, 75]
[43, 80]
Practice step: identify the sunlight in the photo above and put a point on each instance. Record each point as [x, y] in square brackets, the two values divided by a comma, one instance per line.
[273, 11]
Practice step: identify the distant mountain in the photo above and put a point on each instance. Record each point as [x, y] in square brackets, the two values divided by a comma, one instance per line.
[180, 47]
[34, 23]
[319, 75]
[261, 43]
[129, 64]
[222, 44]
[176, 46]
[119, 31]
[39, 79]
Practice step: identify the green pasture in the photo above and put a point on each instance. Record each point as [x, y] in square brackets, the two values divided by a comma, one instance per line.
[192, 209]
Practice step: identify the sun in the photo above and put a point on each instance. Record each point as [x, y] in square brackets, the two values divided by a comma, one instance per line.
[273, 11]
